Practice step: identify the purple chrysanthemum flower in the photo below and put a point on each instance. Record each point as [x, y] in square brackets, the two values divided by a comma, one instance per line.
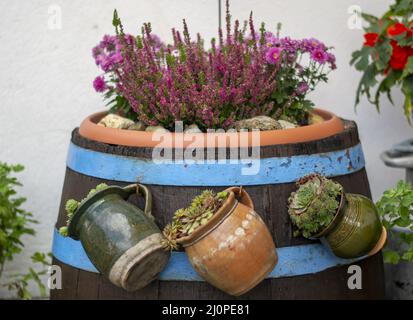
[302, 88]
[319, 55]
[290, 45]
[309, 45]
[271, 40]
[99, 84]
[332, 61]
[273, 55]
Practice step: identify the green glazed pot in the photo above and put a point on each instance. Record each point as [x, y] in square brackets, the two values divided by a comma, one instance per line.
[122, 241]
[356, 230]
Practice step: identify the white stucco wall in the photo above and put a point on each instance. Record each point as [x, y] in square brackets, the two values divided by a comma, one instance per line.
[46, 76]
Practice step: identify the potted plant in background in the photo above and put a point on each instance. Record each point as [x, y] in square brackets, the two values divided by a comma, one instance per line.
[348, 223]
[248, 78]
[386, 61]
[122, 241]
[226, 241]
[14, 224]
[396, 210]
[386, 58]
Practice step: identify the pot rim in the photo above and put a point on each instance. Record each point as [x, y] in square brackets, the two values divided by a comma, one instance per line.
[339, 213]
[332, 125]
[223, 212]
[72, 228]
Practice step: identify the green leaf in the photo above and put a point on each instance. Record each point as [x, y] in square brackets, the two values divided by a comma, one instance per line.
[391, 257]
[116, 21]
[408, 108]
[364, 59]
[383, 52]
[408, 255]
[408, 69]
[369, 18]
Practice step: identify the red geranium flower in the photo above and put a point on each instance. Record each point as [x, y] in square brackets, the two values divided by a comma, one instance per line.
[396, 29]
[399, 56]
[371, 39]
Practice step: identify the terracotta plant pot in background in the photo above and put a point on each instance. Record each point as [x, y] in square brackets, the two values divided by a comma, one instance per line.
[356, 230]
[122, 241]
[233, 251]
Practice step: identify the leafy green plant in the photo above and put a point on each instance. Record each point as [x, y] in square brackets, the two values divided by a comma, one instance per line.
[396, 209]
[72, 205]
[313, 206]
[386, 58]
[187, 220]
[19, 282]
[14, 224]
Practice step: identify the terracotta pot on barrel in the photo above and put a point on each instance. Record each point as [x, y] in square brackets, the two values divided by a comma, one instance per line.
[233, 251]
[122, 241]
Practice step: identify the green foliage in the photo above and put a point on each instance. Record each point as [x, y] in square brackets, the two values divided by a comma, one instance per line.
[313, 206]
[396, 209]
[187, 220]
[14, 224]
[14, 220]
[19, 283]
[379, 76]
[72, 205]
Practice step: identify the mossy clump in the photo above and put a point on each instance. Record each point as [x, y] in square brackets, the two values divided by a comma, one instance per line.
[72, 205]
[314, 205]
[186, 220]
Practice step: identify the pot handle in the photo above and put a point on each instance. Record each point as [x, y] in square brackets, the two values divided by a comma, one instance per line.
[242, 196]
[142, 190]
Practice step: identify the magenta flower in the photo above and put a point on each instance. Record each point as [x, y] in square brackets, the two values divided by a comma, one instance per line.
[319, 55]
[302, 88]
[273, 55]
[332, 61]
[99, 84]
[309, 45]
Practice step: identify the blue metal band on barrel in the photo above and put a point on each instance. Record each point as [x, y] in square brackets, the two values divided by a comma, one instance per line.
[275, 170]
[292, 261]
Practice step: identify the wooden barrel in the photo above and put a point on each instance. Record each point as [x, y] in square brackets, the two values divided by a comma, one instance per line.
[305, 270]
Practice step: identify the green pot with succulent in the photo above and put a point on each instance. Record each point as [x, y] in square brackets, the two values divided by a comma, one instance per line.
[226, 241]
[121, 240]
[348, 224]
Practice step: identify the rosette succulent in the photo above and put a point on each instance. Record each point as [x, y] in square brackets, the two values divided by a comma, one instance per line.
[314, 205]
[187, 220]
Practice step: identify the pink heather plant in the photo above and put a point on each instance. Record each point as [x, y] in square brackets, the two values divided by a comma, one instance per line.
[239, 77]
[185, 82]
[108, 57]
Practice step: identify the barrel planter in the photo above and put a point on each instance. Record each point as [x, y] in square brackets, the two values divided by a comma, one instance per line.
[305, 269]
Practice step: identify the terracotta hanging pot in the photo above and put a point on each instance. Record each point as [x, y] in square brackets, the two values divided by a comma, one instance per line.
[356, 229]
[234, 250]
[122, 241]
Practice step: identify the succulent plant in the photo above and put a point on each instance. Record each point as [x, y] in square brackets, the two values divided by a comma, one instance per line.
[171, 232]
[314, 205]
[186, 220]
[72, 205]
